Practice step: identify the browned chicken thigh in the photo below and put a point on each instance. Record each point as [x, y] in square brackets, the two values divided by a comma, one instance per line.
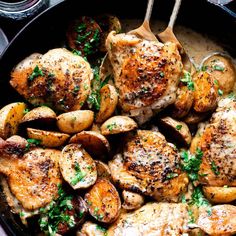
[149, 165]
[146, 73]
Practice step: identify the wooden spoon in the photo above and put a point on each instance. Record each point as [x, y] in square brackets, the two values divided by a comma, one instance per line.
[144, 30]
[168, 36]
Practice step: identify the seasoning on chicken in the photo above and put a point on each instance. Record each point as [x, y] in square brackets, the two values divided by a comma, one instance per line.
[146, 73]
[33, 177]
[58, 79]
[149, 165]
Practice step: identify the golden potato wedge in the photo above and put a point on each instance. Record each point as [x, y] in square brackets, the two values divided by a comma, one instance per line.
[75, 121]
[103, 201]
[10, 118]
[109, 100]
[132, 201]
[183, 101]
[178, 131]
[205, 92]
[77, 167]
[94, 143]
[222, 70]
[118, 124]
[48, 138]
[103, 170]
[91, 229]
[43, 114]
[220, 194]
[220, 222]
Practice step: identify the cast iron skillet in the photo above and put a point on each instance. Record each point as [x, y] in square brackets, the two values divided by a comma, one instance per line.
[47, 31]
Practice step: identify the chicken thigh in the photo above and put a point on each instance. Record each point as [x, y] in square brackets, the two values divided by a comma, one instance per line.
[149, 165]
[146, 73]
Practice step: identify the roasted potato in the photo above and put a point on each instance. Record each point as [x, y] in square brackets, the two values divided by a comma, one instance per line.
[83, 35]
[194, 117]
[177, 130]
[10, 117]
[48, 138]
[75, 121]
[43, 116]
[77, 167]
[103, 170]
[222, 70]
[109, 100]
[206, 92]
[220, 222]
[91, 229]
[118, 124]
[94, 143]
[220, 194]
[132, 201]
[183, 101]
[107, 24]
[103, 201]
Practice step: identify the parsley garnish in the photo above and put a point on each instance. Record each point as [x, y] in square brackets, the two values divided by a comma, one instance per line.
[187, 79]
[36, 72]
[217, 67]
[111, 126]
[171, 175]
[178, 127]
[220, 92]
[215, 168]
[191, 163]
[98, 227]
[78, 176]
[31, 141]
[198, 198]
[26, 111]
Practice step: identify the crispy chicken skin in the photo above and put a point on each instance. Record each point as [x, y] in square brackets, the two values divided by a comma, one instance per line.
[146, 73]
[153, 219]
[149, 165]
[58, 78]
[217, 140]
[33, 177]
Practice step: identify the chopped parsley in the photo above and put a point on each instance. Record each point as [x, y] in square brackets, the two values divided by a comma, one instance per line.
[216, 82]
[198, 198]
[191, 163]
[220, 92]
[100, 228]
[187, 79]
[215, 168]
[218, 67]
[26, 111]
[78, 176]
[191, 216]
[32, 141]
[171, 175]
[111, 126]
[178, 127]
[36, 72]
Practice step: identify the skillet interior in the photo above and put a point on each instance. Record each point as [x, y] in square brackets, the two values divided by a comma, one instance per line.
[48, 31]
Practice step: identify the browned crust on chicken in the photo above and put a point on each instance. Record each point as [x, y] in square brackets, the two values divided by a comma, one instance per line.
[150, 166]
[63, 81]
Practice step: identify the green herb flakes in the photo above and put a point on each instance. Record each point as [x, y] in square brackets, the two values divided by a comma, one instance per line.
[78, 176]
[220, 92]
[178, 127]
[36, 72]
[187, 79]
[215, 168]
[111, 126]
[218, 67]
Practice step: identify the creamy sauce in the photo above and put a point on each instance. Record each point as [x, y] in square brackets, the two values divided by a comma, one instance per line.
[197, 46]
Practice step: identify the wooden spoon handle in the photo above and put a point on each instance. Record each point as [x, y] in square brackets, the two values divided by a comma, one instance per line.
[174, 14]
[149, 10]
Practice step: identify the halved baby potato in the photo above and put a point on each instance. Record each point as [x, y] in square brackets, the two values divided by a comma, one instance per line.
[75, 121]
[118, 124]
[194, 117]
[94, 143]
[103, 170]
[132, 201]
[178, 130]
[91, 229]
[205, 92]
[10, 117]
[77, 167]
[48, 138]
[222, 70]
[103, 201]
[220, 194]
[43, 114]
[109, 100]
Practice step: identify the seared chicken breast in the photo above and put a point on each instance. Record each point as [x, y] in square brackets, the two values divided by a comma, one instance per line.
[34, 176]
[217, 140]
[149, 165]
[58, 78]
[146, 73]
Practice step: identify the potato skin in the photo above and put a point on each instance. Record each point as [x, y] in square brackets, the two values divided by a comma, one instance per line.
[118, 124]
[132, 201]
[75, 121]
[103, 201]
[220, 194]
[10, 118]
[205, 93]
[221, 69]
[48, 138]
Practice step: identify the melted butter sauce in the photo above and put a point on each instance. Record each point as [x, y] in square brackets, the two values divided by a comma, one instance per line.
[197, 46]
